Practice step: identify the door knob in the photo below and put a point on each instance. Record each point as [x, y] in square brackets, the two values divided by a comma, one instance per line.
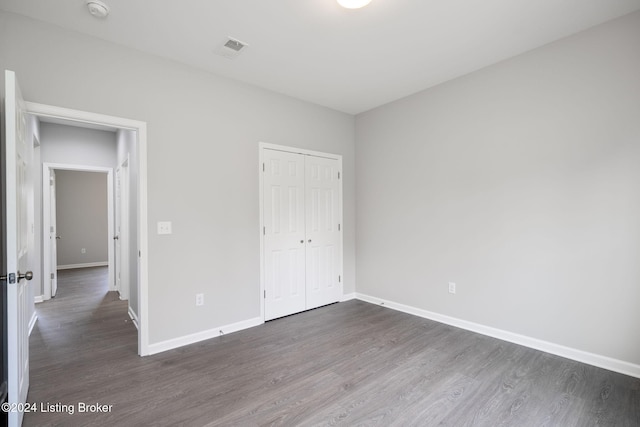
[301, 241]
[58, 237]
[28, 275]
[309, 240]
[116, 237]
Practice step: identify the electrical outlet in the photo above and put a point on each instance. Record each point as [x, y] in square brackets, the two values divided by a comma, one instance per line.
[452, 288]
[164, 227]
[83, 250]
[199, 299]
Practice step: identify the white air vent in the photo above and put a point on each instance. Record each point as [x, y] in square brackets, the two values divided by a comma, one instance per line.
[231, 48]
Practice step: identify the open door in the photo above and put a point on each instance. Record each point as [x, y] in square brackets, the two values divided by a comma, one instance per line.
[53, 235]
[122, 230]
[16, 156]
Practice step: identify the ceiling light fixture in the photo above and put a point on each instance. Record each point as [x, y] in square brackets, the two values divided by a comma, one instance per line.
[353, 4]
[97, 8]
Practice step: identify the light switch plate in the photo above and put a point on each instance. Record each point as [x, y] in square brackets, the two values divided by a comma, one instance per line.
[164, 227]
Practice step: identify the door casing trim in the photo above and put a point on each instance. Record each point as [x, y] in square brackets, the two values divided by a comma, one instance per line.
[140, 127]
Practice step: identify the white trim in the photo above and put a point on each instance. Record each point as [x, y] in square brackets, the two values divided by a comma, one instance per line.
[288, 149]
[204, 335]
[262, 294]
[133, 317]
[43, 110]
[140, 127]
[348, 297]
[46, 196]
[143, 242]
[600, 361]
[38, 299]
[267, 146]
[32, 321]
[83, 265]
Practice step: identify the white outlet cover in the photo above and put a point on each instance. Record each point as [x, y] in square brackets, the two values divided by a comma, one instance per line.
[452, 288]
[164, 227]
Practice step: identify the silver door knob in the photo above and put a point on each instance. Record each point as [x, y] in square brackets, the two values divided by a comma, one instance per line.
[28, 275]
[309, 240]
[301, 241]
[58, 237]
[116, 237]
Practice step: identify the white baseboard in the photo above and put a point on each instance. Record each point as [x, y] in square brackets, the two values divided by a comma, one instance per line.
[600, 361]
[134, 318]
[347, 297]
[32, 322]
[204, 335]
[38, 299]
[85, 265]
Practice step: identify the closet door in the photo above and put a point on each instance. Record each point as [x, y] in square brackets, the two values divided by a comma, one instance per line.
[284, 234]
[323, 242]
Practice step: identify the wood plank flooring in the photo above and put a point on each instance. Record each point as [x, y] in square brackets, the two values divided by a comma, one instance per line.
[351, 363]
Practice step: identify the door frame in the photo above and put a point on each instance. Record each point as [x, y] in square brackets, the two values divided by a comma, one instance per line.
[47, 168]
[268, 146]
[140, 127]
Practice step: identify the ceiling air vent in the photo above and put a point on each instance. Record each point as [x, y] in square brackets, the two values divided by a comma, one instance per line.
[231, 48]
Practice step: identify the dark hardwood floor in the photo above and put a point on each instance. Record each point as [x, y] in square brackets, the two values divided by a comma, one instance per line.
[348, 364]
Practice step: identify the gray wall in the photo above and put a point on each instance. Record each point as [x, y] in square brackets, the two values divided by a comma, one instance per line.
[519, 182]
[82, 217]
[203, 134]
[127, 146]
[77, 146]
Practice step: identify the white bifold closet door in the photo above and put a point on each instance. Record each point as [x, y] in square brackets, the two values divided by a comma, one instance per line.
[302, 242]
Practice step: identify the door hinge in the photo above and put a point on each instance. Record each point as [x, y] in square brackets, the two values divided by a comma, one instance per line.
[339, 278]
[263, 167]
[265, 294]
[264, 231]
[338, 175]
[52, 276]
[338, 227]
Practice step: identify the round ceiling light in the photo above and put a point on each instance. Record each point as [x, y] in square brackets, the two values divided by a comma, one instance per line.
[353, 4]
[97, 8]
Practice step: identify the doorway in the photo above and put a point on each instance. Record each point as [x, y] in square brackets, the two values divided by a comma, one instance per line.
[51, 235]
[137, 128]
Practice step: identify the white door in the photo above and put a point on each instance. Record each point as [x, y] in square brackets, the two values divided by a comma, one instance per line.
[15, 160]
[322, 211]
[53, 235]
[116, 237]
[284, 234]
[302, 237]
[122, 231]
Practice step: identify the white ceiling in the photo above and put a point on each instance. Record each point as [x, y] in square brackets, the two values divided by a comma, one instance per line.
[348, 60]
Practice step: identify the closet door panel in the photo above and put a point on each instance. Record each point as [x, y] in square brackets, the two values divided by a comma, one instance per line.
[284, 234]
[322, 213]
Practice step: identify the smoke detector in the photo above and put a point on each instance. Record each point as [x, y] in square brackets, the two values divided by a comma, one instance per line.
[231, 48]
[98, 8]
